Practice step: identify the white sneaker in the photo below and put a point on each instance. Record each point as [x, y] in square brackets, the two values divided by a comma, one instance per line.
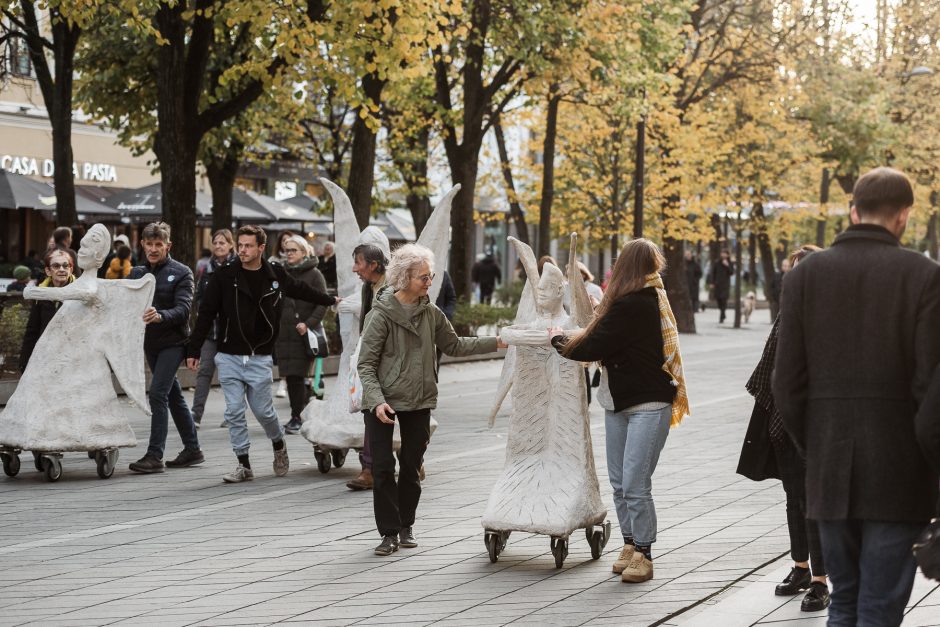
[281, 389]
[238, 475]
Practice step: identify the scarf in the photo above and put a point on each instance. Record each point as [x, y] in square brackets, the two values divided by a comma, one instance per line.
[673, 364]
[759, 385]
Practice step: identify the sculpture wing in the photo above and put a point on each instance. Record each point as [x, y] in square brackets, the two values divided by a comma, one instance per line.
[346, 234]
[124, 303]
[581, 308]
[527, 257]
[436, 236]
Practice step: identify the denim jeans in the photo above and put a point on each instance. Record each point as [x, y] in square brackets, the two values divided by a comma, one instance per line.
[204, 377]
[634, 441]
[166, 396]
[871, 568]
[396, 503]
[247, 377]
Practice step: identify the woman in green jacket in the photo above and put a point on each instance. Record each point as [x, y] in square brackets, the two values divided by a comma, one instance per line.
[398, 369]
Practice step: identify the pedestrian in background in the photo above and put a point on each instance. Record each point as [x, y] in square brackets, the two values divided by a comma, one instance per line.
[120, 266]
[486, 274]
[223, 245]
[247, 296]
[58, 269]
[22, 276]
[399, 383]
[327, 265]
[719, 281]
[643, 392]
[693, 276]
[294, 363]
[768, 453]
[167, 321]
[858, 345]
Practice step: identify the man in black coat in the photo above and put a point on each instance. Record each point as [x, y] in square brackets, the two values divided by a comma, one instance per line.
[859, 341]
[719, 281]
[167, 328]
[486, 274]
[693, 274]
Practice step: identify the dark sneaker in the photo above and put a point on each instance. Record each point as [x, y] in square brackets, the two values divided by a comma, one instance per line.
[797, 581]
[389, 545]
[406, 538]
[187, 457]
[147, 464]
[817, 599]
[293, 426]
[197, 421]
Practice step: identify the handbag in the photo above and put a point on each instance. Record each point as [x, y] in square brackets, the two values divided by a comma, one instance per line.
[315, 344]
[355, 384]
[927, 550]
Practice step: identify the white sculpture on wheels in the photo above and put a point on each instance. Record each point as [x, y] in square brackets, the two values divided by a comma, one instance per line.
[98, 329]
[329, 424]
[548, 484]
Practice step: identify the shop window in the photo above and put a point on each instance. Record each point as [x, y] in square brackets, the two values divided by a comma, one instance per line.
[17, 58]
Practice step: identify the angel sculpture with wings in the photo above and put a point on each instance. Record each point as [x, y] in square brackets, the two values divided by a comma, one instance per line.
[98, 329]
[548, 484]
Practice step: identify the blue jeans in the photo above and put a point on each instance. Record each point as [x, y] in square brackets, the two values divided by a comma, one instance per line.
[241, 377]
[634, 441]
[871, 568]
[166, 395]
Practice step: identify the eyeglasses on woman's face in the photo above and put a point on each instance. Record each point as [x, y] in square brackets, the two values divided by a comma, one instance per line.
[426, 278]
[60, 266]
[291, 251]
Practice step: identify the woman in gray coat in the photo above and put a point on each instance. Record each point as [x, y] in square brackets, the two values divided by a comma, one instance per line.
[293, 362]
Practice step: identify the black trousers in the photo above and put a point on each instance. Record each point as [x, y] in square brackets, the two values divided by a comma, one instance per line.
[396, 503]
[722, 305]
[298, 393]
[804, 533]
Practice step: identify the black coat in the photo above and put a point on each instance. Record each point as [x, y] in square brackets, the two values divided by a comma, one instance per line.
[228, 297]
[720, 276]
[39, 316]
[693, 274]
[292, 360]
[859, 341]
[201, 284]
[486, 273]
[173, 300]
[447, 298]
[628, 341]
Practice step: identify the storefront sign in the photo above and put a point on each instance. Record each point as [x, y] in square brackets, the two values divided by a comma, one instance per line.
[30, 166]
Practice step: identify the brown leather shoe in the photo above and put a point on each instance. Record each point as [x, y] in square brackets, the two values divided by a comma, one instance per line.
[362, 482]
[421, 474]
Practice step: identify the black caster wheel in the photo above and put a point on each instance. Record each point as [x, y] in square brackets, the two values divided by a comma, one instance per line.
[106, 461]
[597, 538]
[495, 543]
[52, 468]
[11, 464]
[37, 461]
[339, 456]
[92, 455]
[560, 551]
[323, 461]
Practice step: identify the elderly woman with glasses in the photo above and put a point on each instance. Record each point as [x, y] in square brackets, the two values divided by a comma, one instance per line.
[398, 368]
[297, 316]
[58, 265]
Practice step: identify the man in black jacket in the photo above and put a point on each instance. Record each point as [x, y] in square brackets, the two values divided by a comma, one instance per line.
[247, 297]
[859, 341]
[167, 323]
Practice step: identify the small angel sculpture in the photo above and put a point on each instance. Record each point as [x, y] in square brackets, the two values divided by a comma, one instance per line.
[65, 400]
[548, 484]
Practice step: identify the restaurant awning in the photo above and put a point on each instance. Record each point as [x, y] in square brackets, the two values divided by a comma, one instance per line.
[21, 192]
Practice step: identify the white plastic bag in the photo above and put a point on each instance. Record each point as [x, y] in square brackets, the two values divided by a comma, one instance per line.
[355, 384]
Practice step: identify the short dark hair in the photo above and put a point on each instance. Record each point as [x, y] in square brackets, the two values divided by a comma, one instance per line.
[61, 234]
[370, 254]
[156, 230]
[47, 258]
[882, 191]
[123, 252]
[252, 229]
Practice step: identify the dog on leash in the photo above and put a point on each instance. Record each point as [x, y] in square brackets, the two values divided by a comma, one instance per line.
[747, 306]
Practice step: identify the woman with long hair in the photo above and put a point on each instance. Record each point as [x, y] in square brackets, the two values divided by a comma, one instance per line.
[634, 337]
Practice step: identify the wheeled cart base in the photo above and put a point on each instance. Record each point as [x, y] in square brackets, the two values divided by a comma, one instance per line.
[50, 462]
[597, 537]
[329, 457]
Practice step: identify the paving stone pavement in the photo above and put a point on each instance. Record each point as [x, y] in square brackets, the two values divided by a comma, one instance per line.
[182, 548]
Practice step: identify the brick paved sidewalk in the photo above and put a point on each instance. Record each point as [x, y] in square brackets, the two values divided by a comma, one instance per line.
[182, 548]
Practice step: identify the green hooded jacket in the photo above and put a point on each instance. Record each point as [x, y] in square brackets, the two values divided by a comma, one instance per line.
[398, 358]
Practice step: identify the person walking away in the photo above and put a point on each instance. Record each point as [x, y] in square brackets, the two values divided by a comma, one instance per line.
[247, 296]
[858, 344]
[693, 275]
[399, 383]
[369, 262]
[719, 281]
[768, 453]
[58, 269]
[327, 265]
[297, 316]
[643, 391]
[167, 323]
[120, 266]
[223, 243]
[486, 274]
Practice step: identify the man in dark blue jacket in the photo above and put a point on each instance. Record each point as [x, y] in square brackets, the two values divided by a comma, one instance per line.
[164, 346]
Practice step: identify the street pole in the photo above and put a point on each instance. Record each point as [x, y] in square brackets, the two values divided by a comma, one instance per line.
[738, 232]
[639, 174]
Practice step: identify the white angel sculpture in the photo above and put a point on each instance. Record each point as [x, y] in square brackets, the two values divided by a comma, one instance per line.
[548, 484]
[98, 329]
[329, 425]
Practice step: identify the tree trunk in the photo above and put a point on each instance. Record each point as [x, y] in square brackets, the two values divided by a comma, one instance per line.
[932, 227]
[752, 259]
[464, 172]
[362, 161]
[823, 199]
[221, 172]
[715, 245]
[548, 171]
[677, 288]
[737, 276]
[65, 39]
[759, 227]
[515, 209]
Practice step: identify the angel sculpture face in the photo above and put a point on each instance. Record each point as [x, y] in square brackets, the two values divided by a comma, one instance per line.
[549, 299]
[94, 248]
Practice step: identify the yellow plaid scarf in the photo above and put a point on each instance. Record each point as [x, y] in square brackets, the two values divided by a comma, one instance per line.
[673, 363]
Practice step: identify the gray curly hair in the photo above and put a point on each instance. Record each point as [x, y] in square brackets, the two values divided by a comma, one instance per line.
[404, 262]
